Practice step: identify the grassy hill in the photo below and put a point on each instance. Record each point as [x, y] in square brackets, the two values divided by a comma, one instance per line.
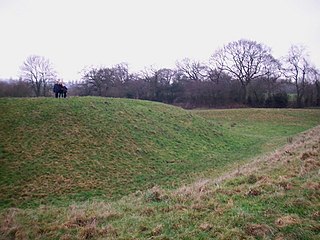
[55, 151]
[273, 196]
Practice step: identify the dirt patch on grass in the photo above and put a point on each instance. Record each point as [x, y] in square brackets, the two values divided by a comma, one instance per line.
[205, 227]
[309, 154]
[312, 186]
[287, 220]
[254, 192]
[258, 230]
[157, 230]
[316, 215]
[311, 164]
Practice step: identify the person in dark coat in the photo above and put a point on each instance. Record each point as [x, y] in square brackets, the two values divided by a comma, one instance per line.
[64, 91]
[57, 89]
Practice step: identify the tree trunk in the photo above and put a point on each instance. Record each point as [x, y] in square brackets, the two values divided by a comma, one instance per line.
[37, 89]
[299, 100]
[299, 89]
[318, 93]
[44, 89]
[244, 95]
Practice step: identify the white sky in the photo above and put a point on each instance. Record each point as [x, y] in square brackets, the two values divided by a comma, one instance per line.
[74, 34]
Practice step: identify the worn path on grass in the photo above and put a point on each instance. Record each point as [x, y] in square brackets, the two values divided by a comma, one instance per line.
[297, 146]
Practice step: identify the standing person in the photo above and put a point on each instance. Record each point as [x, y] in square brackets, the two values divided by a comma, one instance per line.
[57, 89]
[64, 91]
[61, 90]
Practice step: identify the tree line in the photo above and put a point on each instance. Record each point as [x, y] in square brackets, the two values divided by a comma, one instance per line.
[241, 73]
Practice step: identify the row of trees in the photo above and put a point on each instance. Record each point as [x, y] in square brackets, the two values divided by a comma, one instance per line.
[242, 72]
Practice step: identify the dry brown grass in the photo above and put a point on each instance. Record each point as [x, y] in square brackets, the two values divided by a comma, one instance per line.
[298, 147]
[194, 191]
[10, 228]
[157, 230]
[155, 194]
[258, 230]
[206, 226]
[287, 220]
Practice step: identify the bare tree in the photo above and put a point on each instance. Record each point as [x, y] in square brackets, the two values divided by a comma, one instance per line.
[296, 69]
[244, 60]
[39, 72]
[100, 81]
[157, 83]
[315, 79]
[192, 70]
[272, 70]
[150, 78]
[166, 76]
[215, 75]
[120, 72]
[97, 80]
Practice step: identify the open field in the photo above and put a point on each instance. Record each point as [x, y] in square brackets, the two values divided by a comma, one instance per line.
[270, 126]
[275, 196]
[54, 151]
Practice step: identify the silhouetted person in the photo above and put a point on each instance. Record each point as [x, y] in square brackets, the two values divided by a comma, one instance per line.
[57, 89]
[64, 91]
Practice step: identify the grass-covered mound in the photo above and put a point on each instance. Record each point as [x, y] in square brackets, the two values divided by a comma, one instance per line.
[59, 150]
[275, 196]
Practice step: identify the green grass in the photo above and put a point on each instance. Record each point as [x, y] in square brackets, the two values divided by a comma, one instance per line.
[92, 168]
[269, 127]
[280, 199]
[55, 151]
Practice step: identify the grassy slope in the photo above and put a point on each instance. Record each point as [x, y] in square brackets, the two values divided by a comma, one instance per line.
[276, 196]
[57, 150]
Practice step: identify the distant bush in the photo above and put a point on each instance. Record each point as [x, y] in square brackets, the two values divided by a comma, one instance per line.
[281, 100]
[278, 100]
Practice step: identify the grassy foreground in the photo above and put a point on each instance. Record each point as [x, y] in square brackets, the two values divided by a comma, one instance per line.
[276, 196]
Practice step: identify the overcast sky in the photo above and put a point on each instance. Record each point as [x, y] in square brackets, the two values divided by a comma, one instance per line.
[74, 34]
